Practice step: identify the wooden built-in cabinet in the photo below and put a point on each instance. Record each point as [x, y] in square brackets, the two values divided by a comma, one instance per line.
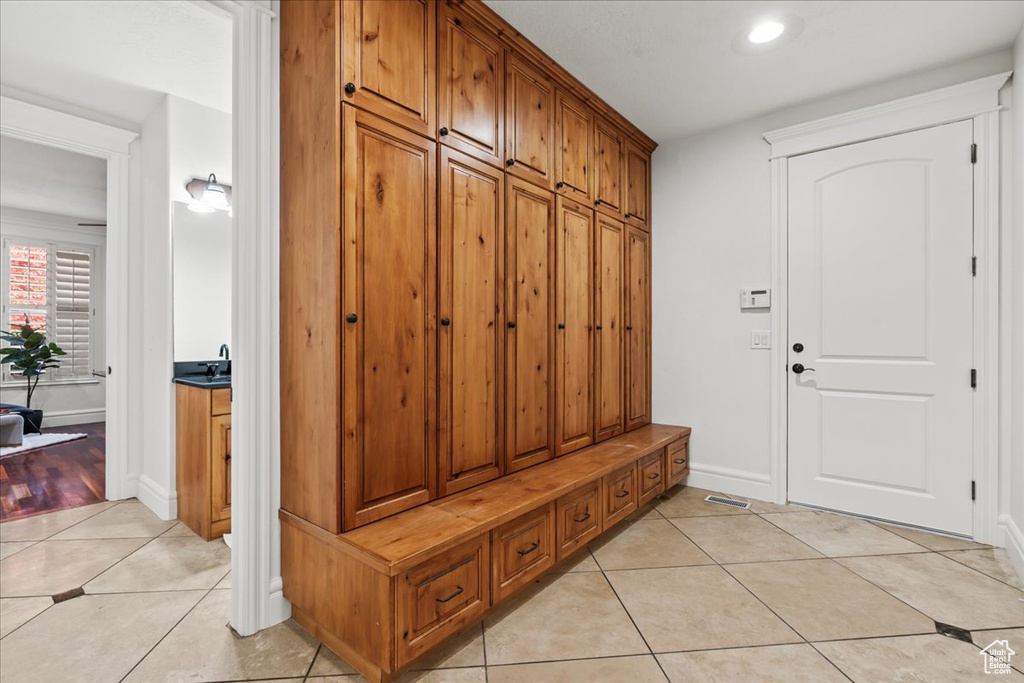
[203, 459]
[465, 295]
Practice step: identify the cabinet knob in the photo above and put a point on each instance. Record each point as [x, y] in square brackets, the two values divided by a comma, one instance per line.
[630, 215]
[352, 317]
[443, 131]
[561, 326]
[597, 202]
[629, 328]
[510, 162]
[511, 324]
[445, 322]
[350, 88]
[598, 328]
[559, 185]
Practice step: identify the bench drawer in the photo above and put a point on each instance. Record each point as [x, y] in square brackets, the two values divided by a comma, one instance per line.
[437, 598]
[523, 549]
[579, 518]
[620, 495]
[677, 461]
[652, 476]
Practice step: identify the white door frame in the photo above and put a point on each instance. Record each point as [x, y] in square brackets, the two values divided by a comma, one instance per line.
[976, 100]
[43, 126]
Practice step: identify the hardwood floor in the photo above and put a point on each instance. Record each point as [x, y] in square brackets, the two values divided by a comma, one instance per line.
[67, 475]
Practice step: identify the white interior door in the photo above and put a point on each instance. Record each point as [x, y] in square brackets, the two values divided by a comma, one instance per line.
[880, 298]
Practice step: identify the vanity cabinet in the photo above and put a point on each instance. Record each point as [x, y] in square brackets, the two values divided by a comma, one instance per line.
[203, 459]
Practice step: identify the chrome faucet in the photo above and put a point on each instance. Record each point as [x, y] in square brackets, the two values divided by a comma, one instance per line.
[224, 352]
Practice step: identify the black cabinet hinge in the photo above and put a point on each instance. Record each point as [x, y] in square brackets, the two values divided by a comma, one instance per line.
[974, 152]
[974, 491]
[974, 378]
[974, 266]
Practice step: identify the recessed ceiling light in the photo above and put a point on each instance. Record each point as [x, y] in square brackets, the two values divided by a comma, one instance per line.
[766, 32]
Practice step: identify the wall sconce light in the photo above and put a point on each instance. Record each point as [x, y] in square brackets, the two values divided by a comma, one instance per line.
[209, 195]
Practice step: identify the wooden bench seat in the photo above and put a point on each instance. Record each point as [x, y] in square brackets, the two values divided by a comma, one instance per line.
[386, 593]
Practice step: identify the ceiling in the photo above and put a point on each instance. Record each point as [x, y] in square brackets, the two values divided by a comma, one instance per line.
[50, 180]
[116, 57]
[669, 67]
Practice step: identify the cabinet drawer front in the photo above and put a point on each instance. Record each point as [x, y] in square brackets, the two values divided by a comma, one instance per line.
[620, 495]
[677, 462]
[523, 549]
[579, 519]
[652, 476]
[220, 402]
[438, 597]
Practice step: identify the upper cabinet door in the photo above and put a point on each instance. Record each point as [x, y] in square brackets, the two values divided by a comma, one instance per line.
[609, 321]
[390, 49]
[529, 123]
[472, 266]
[638, 186]
[609, 171]
[638, 328]
[574, 144]
[530, 297]
[471, 92]
[574, 348]
[389, 310]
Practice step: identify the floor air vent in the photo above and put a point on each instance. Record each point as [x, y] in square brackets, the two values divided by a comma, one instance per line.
[728, 501]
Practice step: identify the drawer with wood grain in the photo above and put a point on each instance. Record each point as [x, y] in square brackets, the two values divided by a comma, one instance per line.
[220, 402]
[523, 549]
[620, 495]
[651, 470]
[437, 598]
[579, 518]
[677, 461]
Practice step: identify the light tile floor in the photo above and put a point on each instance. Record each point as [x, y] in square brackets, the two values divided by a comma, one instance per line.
[684, 591]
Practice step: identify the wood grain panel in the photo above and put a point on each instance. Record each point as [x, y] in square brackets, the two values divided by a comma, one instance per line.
[620, 495]
[471, 411]
[638, 186]
[651, 474]
[220, 401]
[220, 469]
[471, 85]
[609, 171]
[390, 259]
[390, 57]
[192, 457]
[609, 361]
[574, 351]
[310, 263]
[638, 328]
[529, 123]
[529, 359]
[522, 550]
[574, 142]
[677, 461]
[579, 519]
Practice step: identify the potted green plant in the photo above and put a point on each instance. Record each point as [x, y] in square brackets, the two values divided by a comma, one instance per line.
[31, 356]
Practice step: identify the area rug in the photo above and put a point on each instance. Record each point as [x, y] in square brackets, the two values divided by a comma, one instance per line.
[34, 441]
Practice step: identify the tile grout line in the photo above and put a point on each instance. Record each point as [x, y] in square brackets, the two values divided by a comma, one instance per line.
[994, 578]
[114, 503]
[834, 665]
[312, 662]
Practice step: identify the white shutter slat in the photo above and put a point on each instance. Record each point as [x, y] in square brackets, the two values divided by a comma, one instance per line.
[73, 296]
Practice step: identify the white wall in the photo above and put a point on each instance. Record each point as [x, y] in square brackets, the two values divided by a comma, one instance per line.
[180, 140]
[711, 232]
[71, 401]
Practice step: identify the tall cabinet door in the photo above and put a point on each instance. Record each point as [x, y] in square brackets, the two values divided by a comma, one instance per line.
[389, 59]
[574, 127]
[609, 321]
[609, 152]
[389, 310]
[471, 79]
[638, 328]
[471, 341]
[220, 468]
[574, 349]
[530, 353]
[529, 123]
[638, 186]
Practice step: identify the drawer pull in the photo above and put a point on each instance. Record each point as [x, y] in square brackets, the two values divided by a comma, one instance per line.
[622, 494]
[584, 518]
[454, 595]
[679, 461]
[654, 475]
[529, 550]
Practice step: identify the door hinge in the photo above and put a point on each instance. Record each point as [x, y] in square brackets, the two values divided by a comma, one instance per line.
[974, 378]
[974, 152]
[974, 491]
[974, 266]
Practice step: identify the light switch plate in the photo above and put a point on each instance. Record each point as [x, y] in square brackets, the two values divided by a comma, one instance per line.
[760, 339]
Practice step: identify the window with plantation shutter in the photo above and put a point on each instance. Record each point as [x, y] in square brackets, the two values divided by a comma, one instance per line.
[72, 323]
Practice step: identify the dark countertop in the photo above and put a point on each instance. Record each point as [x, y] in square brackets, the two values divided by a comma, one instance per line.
[193, 374]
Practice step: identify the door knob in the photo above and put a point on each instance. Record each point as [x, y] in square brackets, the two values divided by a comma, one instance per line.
[798, 347]
[799, 369]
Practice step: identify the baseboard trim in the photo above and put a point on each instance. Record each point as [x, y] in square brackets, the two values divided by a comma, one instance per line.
[1014, 543]
[278, 608]
[735, 482]
[163, 503]
[62, 418]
